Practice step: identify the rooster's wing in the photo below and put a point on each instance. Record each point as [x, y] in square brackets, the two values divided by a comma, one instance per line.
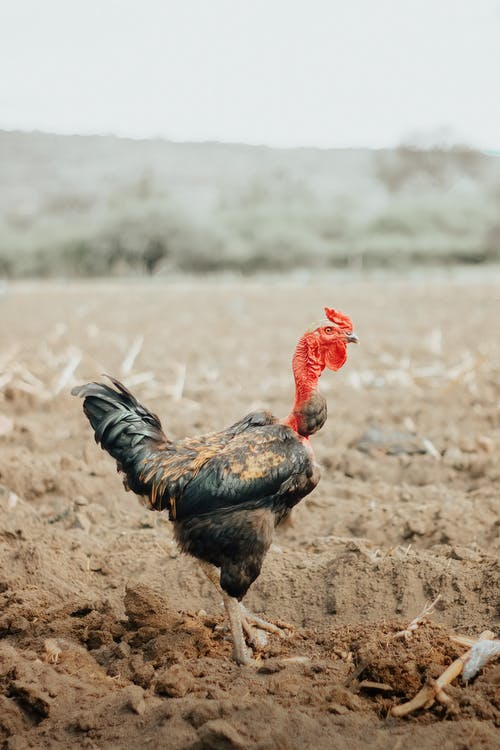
[255, 462]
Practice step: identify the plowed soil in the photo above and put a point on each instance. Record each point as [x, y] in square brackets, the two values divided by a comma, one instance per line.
[110, 638]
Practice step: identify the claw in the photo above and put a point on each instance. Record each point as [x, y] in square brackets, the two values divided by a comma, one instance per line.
[254, 636]
[242, 621]
[242, 658]
[248, 617]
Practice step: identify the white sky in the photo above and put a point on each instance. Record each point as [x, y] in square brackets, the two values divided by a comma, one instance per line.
[280, 72]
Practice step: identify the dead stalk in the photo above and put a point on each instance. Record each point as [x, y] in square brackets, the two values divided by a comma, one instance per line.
[132, 354]
[178, 387]
[434, 690]
[427, 610]
[68, 372]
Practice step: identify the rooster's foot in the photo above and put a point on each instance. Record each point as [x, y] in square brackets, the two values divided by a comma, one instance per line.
[254, 637]
[256, 628]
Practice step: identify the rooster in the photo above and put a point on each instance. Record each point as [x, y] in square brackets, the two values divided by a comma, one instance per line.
[226, 491]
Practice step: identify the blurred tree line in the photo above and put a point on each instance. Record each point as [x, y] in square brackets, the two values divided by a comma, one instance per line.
[386, 208]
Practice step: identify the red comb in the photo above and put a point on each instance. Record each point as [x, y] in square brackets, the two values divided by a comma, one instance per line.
[341, 320]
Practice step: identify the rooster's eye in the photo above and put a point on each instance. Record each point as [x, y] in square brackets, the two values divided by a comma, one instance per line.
[328, 329]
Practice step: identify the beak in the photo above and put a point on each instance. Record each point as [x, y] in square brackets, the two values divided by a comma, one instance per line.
[351, 338]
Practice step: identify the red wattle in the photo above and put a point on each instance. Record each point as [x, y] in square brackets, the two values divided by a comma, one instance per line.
[336, 356]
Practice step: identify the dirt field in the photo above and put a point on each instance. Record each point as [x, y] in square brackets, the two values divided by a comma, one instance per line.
[109, 638]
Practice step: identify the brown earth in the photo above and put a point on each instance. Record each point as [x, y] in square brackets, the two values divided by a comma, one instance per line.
[109, 638]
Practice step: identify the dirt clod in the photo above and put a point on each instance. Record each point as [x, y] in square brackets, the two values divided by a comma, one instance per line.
[175, 682]
[135, 699]
[218, 734]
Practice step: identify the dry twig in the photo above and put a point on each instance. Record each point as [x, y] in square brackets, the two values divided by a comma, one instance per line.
[427, 610]
[68, 372]
[370, 685]
[177, 389]
[431, 449]
[52, 650]
[132, 354]
[434, 691]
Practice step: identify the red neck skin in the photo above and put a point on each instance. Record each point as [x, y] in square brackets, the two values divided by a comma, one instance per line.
[307, 366]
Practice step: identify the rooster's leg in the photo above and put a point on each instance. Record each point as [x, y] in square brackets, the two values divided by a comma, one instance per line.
[236, 621]
[240, 652]
[254, 627]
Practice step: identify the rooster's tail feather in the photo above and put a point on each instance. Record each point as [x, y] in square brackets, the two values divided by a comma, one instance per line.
[124, 428]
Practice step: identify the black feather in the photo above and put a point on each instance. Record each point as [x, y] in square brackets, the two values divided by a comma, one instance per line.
[123, 427]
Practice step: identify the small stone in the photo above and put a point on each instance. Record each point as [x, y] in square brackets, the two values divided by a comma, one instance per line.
[486, 444]
[271, 666]
[122, 649]
[143, 635]
[175, 682]
[135, 699]
[336, 708]
[218, 734]
[464, 553]
[81, 500]
[142, 671]
[414, 527]
[392, 442]
[203, 712]
[117, 630]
